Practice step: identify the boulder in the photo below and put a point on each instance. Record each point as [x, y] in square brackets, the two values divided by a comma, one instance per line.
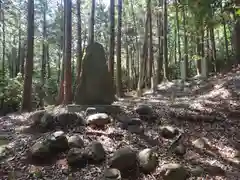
[46, 148]
[200, 143]
[90, 111]
[146, 112]
[58, 142]
[148, 160]
[112, 174]
[174, 171]
[75, 141]
[95, 85]
[180, 150]
[35, 117]
[123, 159]
[197, 171]
[76, 157]
[168, 132]
[137, 129]
[47, 122]
[40, 151]
[99, 119]
[95, 152]
[144, 109]
[64, 119]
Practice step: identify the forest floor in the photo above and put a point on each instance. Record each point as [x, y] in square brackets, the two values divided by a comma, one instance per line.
[206, 109]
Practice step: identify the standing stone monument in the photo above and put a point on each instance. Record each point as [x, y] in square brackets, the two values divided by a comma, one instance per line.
[95, 86]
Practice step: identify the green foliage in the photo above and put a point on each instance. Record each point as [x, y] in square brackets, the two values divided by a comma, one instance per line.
[11, 90]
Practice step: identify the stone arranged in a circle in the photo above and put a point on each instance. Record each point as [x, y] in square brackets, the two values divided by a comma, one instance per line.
[43, 149]
[180, 150]
[123, 159]
[137, 129]
[98, 119]
[76, 157]
[144, 109]
[112, 174]
[90, 111]
[58, 142]
[94, 153]
[168, 132]
[148, 160]
[75, 141]
[174, 171]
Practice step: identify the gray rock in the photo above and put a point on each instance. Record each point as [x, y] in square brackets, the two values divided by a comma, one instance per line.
[148, 160]
[77, 157]
[90, 111]
[47, 122]
[144, 109]
[45, 149]
[112, 174]
[174, 171]
[95, 152]
[180, 150]
[99, 119]
[36, 116]
[63, 119]
[95, 85]
[168, 132]
[123, 159]
[200, 143]
[137, 129]
[75, 141]
[58, 142]
[197, 171]
[40, 150]
[134, 121]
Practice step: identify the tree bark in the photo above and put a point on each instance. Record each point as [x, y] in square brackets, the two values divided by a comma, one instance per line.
[67, 55]
[27, 89]
[119, 45]
[165, 47]
[91, 23]
[79, 41]
[112, 39]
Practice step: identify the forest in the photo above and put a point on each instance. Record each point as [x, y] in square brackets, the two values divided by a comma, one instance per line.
[88, 86]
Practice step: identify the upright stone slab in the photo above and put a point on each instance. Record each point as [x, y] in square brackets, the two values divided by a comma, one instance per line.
[95, 86]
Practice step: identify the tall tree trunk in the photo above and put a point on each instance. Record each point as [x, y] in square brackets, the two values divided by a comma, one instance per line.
[143, 56]
[185, 42]
[213, 48]
[178, 34]
[119, 45]
[44, 44]
[48, 60]
[19, 45]
[128, 64]
[62, 46]
[165, 47]
[91, 23]
[136, 37]
[67, 55]
[79, 41]
[160, 43]
[226, 39]
[150, 61]
[27, 89]
[3, 44]
[112, 39]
